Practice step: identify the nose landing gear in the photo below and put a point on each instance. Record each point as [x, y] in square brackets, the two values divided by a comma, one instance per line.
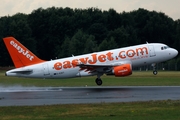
[155, 72]
[154, 69]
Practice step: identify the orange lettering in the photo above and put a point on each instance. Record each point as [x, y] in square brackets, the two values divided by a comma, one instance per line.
[84, 60]
[94, 59]
[141, 51]
[130, 53]
[122, 55]
[58, 66]
[75, 62]
[67, 64]
[109, 56]
[102, 58]
[116, 58]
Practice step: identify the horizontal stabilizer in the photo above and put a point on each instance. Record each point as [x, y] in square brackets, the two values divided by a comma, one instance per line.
[22, 71]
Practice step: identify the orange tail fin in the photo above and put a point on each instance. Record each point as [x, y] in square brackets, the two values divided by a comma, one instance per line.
[20, 55]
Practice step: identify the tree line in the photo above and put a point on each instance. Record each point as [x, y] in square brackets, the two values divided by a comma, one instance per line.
[58, 32]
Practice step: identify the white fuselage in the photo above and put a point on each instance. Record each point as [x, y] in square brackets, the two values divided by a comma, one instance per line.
[138, 55]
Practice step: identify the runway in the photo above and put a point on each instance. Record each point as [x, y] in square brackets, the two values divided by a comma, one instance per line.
[29, 96]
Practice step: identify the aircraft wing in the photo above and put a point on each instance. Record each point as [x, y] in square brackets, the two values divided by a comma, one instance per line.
[105, 68]
[93, 68]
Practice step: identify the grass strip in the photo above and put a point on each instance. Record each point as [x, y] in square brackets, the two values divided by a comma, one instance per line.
[136, 79]
[157, 110]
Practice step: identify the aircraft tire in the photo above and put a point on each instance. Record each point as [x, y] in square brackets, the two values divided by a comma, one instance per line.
[155, 72]
[98, 81]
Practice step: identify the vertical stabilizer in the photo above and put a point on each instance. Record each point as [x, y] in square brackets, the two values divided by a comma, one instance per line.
[20, 55]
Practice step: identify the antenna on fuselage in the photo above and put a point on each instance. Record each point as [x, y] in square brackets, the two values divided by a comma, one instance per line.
[147, 42]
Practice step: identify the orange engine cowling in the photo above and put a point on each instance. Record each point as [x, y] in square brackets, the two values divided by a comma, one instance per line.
[122, 70]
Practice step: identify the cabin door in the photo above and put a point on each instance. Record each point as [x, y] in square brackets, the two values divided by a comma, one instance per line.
[152, 51]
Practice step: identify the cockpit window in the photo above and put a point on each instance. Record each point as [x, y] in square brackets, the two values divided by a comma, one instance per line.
[164, 47]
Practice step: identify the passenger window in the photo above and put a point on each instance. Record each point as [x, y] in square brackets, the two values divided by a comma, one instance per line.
[162, 48]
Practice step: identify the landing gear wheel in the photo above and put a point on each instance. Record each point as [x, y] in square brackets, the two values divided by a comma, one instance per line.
[98, 81]
[154, 69]
[155, 72]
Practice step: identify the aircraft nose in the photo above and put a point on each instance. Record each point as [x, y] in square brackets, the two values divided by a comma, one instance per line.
[174, 52]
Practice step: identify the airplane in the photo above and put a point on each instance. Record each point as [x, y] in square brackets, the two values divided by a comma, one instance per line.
[116, 61]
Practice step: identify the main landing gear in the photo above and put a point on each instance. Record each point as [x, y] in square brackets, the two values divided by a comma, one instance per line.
[154, 69]
[98, 81]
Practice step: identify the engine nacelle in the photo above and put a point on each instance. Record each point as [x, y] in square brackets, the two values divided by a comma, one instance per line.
[122, 70]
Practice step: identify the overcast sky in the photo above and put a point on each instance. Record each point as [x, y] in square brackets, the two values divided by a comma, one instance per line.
[169, 7]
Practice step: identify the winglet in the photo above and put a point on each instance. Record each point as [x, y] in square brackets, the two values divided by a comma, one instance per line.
[20, 55]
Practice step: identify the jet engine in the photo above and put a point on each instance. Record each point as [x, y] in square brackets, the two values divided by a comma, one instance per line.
[122, 70]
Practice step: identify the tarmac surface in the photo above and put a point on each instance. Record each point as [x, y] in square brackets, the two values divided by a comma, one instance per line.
[30, 96]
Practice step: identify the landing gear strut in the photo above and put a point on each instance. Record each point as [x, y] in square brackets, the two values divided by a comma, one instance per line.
[98, 81]
[154, 69]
